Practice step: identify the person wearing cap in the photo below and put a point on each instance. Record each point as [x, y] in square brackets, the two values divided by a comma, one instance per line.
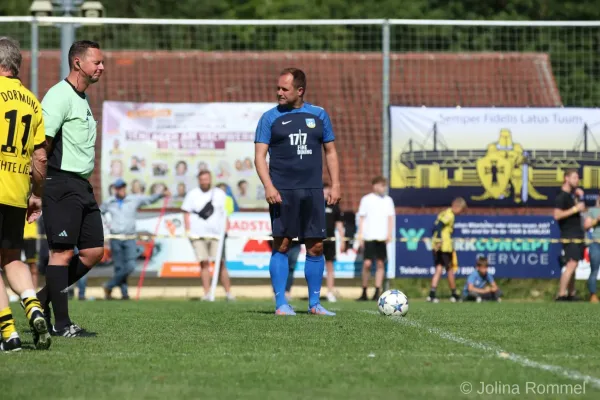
[123, 211]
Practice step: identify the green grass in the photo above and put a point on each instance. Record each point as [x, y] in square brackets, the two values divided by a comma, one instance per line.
[192, 350]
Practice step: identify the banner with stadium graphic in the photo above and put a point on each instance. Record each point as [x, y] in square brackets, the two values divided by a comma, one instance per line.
[491, 156]
[516, 246]
[153, 145]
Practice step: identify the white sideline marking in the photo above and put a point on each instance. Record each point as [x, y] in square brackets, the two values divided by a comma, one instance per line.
[498, 352]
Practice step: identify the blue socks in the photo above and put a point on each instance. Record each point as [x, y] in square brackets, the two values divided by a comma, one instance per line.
[313, 272]
[279, 270]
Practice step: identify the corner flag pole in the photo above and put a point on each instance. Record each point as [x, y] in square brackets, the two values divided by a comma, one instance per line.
[147, 260]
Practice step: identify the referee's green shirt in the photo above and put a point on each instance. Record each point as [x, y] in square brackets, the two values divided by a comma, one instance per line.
[69, 121]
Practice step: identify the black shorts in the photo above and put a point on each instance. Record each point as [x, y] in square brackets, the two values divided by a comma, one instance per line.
[71, 214]
[442, 258]
[30, 250]
[375, 249]
[573, 251]
[301, 214]
[12, 225]
[329, 250]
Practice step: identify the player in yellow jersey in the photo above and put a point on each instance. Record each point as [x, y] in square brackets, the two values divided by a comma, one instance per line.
[30, 236]
[444, 256]
[22, 151]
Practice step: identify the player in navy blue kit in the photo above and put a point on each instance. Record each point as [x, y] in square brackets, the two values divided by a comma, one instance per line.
[294, 134]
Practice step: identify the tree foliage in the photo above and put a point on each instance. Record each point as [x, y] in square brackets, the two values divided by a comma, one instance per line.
[574, 52]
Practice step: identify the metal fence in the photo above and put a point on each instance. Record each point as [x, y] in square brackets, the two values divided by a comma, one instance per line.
[355, 68]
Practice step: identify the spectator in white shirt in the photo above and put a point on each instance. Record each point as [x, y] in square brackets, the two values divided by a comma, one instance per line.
[204, 221]
[376, 221]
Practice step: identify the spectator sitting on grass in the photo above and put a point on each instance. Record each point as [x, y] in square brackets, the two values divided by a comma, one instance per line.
[480, 284]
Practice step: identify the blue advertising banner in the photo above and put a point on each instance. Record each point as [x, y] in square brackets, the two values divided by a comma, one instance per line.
[516, 246]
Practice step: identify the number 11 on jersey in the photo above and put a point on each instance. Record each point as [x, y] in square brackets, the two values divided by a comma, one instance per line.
[10, 148]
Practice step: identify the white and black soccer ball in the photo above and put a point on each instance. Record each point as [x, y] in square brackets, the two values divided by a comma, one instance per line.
[393, 302]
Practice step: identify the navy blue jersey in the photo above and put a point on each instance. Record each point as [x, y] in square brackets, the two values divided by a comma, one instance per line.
[295, 138]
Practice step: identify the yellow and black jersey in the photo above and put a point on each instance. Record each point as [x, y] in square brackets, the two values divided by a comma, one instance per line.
[443, 229]
[21, 130]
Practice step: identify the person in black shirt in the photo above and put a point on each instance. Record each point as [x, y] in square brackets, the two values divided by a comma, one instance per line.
[567, 211]
[333, 222]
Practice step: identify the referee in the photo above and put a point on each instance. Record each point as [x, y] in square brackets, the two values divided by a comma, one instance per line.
[71, 214]
[567, 211]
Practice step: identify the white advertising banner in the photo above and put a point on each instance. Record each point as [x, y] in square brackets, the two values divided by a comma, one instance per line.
[157, 145]
[247, 249]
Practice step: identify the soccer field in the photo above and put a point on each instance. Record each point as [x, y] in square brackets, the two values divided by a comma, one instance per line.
[193, 350]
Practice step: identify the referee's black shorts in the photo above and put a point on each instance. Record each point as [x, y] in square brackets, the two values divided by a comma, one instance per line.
[71, 214]
[12, 225]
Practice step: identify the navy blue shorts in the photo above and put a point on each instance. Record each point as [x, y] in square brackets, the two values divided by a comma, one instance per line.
[301, 214]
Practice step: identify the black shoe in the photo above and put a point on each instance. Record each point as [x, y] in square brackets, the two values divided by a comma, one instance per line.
[12, 344]
[562, 298]
[39, 331]
[363, 297]
[376, 296]
[72, 330]
[573, 297]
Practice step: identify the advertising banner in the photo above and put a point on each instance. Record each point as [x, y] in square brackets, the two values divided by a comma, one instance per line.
[515, 246]
[157, 145]
[491, 156]
[248, 249]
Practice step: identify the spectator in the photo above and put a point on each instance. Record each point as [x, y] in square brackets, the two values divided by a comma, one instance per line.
[30, 248]
[229, 209]
[44, 251]
[204, 220]
[567, 211]
[334, 223]
[227, 189]
[444, 256]
[592, 221]
[293, 253]
[81, 285]
[480, 284]
[123, 211]
[376, 222]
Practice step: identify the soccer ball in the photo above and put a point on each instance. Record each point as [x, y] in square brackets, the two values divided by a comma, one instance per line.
[393, 302]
